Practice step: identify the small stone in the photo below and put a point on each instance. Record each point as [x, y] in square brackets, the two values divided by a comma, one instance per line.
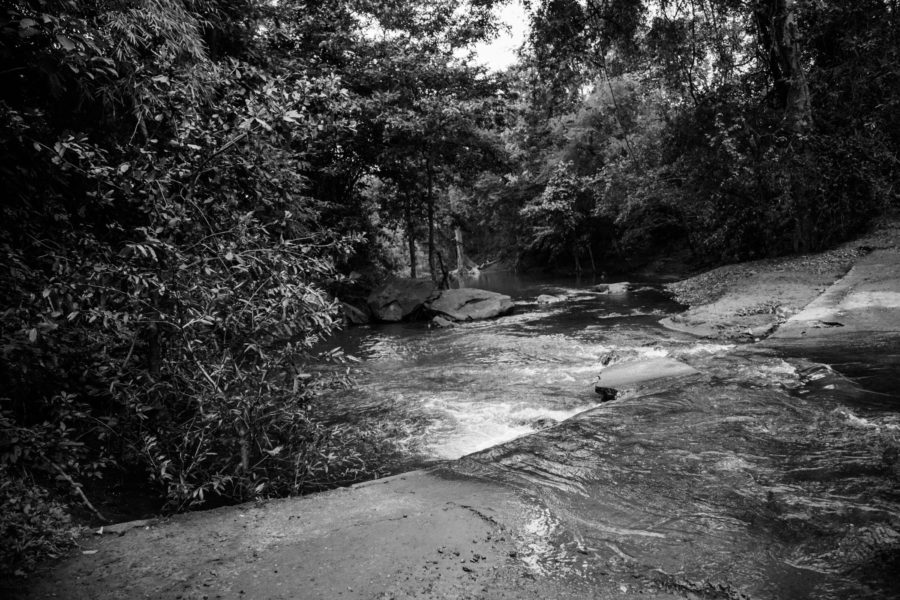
[608, 358]
[606, 394]
[441, 322]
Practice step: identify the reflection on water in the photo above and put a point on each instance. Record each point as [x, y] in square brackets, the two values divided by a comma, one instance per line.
[767, 475]
[522, 286]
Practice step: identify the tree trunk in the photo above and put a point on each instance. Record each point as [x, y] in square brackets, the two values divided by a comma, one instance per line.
[591, 256]
[780, 47]
[445, 274]
[410, 237]
[460, 255]
[577, 262]
[430, 203]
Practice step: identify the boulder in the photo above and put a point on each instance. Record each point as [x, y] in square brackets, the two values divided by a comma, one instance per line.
[631, 374]
[399, 298]
[354, 315]
[470, 304]
[622, 287]
[548, 299]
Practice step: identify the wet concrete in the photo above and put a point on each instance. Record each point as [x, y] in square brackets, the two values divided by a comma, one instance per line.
[865, 301]
[426, 534]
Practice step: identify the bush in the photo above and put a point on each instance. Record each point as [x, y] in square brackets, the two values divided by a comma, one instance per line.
[32, 525]
[752, 189]
[163, 271]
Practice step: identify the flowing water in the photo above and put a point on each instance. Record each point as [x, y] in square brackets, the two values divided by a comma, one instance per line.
[764, 475]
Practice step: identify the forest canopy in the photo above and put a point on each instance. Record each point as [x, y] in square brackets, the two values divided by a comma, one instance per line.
[192, 186]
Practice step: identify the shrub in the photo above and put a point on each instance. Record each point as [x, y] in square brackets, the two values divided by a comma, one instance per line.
[163, 271]
[32, 525]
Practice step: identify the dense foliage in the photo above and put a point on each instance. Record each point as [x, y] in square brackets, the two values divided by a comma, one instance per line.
[732, 128]
[181, 197]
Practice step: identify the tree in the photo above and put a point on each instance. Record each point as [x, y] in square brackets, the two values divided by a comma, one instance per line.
[560, 218]
[754, 140]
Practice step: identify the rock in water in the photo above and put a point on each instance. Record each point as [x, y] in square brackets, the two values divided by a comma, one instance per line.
[543, 423]
[609, 357]
[613, 288]
[606, 393]
[354, 315]
[441, 322]
[399, 298]
[548, 299]
[629, 374]
[470, 304]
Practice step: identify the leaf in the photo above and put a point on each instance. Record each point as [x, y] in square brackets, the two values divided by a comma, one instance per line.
[67, 44]
[32, 335]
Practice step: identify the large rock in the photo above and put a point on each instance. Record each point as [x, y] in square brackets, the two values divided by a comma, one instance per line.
[629, 374]
[548, 299]
[623, 287]
[399, 298]
[471, 304]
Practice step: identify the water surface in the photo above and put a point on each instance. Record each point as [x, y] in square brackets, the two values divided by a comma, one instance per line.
[769, 474]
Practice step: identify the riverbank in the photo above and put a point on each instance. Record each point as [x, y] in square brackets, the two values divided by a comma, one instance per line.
[750, 301]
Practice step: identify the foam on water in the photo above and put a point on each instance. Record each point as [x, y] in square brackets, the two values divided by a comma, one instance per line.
[883, 422]
[703, 348]
[462, 427]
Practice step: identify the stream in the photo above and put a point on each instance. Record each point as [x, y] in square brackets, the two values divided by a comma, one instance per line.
[768, 474]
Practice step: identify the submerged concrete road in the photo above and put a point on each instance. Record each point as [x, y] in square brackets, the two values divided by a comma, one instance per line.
[430, 534]
[425, 534]
[865, 301]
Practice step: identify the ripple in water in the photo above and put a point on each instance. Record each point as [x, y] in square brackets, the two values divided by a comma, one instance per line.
[764, 476]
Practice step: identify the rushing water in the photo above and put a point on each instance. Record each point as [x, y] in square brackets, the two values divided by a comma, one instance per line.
[766, 475]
